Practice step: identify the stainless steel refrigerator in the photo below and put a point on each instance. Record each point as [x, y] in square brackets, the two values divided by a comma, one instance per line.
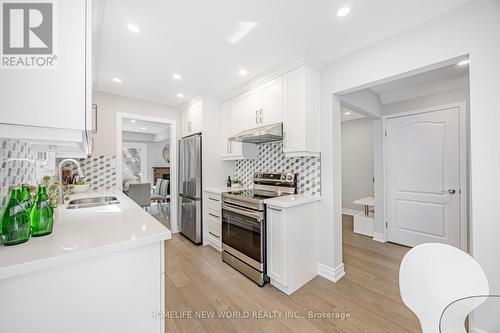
[190, 217]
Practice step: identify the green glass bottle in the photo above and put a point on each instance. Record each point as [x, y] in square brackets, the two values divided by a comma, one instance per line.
[41, 214]
[26, 199]
[15, 220]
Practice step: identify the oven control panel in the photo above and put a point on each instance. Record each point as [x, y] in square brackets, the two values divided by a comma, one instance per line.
[275, 178]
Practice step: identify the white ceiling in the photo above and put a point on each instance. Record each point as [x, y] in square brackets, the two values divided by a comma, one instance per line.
[140, 126]
[190, 38]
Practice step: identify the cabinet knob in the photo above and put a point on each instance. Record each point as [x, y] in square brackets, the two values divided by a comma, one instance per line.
[452, 191]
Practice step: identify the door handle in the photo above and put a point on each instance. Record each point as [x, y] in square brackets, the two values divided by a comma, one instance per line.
[261, 116]
[256, 116]
[452, 191]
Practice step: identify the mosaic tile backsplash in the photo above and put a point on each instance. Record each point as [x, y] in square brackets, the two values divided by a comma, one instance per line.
[271, 158]
[100, 172]
[17, 165]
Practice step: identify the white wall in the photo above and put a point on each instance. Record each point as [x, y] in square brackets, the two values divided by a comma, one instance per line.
[357, 161]
[108, 105]
[469, 29]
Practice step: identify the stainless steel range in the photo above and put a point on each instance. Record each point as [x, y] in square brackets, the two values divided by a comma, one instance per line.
[244, 223]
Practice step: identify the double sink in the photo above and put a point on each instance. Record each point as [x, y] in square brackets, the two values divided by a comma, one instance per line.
[92, 202]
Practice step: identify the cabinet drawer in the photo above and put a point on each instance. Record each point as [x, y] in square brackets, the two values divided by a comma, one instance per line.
[214, 213]
[213, 227]
[213, 202]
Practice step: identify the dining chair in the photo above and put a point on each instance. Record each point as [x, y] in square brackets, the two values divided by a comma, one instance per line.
[432, 276]
[161, 192]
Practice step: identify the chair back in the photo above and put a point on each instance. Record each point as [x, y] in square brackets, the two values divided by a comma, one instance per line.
[140, 193]
[163, 189]
[157, 186]
[434, 275]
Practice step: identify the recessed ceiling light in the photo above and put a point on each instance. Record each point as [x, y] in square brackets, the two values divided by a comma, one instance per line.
[463, 62]
[344, 11]
[133, 27]
[117, 80]
[133, 121]
[347, 113]
[143, 128]
[180, 95]
[243, 72]
[177, 76]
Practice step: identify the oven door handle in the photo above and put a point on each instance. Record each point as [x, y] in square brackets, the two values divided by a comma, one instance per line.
[245, 212]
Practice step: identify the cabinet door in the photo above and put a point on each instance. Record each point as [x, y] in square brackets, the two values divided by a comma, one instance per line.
[276, 245]
[294, 104]
[191, 119]
[228, 148]
[252, 105]
[185, 122]
[225, 127]
[55, 97]
[195, 115]
[271, 111]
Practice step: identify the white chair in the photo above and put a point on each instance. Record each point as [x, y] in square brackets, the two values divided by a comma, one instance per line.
[434, 275]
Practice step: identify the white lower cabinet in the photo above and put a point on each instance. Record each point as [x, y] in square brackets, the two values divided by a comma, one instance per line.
[292, 247]
[212, 220]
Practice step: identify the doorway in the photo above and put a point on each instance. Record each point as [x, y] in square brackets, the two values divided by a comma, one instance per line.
[419, 147]
[147, 164]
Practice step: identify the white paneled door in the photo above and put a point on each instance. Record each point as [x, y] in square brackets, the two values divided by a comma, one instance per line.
[423, 177]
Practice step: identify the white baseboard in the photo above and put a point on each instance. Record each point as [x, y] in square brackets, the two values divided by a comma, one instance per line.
[352, 212]
[332, 274]
[477, 330]
[379, 237]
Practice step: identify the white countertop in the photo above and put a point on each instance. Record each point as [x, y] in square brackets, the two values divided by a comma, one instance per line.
[288, 201]
[368, 201]
[84, 233]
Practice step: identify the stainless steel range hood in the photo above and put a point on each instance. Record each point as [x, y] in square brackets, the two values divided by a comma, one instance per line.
[270, 133]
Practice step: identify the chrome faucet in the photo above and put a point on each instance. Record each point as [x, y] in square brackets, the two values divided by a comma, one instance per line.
[59, 169]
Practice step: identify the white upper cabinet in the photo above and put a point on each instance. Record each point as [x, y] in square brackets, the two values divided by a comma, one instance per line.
[271, 111]
[301, 114]
[260, 106]
[58, 96]
[192, 118]
[228, 117]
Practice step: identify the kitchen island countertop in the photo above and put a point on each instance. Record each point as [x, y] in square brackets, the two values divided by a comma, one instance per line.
[84, 233]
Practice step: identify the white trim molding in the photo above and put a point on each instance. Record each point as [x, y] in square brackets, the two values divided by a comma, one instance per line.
[305, 58]
[379, 237]
[331, 274]
[173, 158]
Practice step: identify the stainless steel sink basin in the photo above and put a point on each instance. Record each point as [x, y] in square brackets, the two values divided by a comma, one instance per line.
[92, 202]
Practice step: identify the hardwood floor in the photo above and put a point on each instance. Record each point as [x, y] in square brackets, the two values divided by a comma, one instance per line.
[365, 300]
